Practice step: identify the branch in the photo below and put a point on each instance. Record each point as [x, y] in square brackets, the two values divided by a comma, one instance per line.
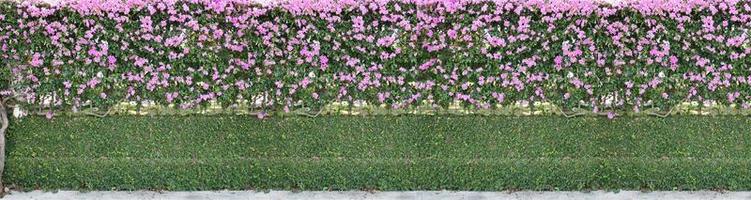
[306, 112]
[97, 114]
[4, 127]
[576, 114]
[5, 100]
[3, 119]
[662, 115]
[88, 113]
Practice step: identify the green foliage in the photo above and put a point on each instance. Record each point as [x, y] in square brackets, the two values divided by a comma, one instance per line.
[384, 153]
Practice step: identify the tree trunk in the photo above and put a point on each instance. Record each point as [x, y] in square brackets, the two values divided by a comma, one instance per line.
[3, 128]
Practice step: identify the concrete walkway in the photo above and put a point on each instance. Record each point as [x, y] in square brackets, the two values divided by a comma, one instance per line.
[357, 195]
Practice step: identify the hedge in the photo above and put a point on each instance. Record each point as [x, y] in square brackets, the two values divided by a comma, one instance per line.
[379, 153]
[399, 53]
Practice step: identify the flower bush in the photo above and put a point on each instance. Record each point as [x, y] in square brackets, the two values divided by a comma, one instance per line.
[401, 53]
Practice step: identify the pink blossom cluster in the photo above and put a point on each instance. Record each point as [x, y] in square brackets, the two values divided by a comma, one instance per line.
[309, 53]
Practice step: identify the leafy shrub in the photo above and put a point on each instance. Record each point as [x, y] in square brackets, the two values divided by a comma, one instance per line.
[400, 53]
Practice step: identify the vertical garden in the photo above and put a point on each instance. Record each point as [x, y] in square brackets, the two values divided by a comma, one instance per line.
[376, 94]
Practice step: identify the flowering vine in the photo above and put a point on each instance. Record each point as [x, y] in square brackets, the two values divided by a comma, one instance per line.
[400, 53]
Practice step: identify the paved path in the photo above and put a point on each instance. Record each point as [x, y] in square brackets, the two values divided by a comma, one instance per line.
[357, 195]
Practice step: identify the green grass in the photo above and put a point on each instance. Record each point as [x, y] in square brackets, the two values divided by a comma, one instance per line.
[384, 153]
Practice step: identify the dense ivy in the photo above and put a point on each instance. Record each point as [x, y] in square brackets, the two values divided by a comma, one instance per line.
[380, 153]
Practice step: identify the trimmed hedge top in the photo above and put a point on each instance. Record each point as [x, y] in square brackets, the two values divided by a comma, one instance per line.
[399, 53]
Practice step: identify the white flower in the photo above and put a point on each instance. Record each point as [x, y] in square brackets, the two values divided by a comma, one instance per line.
[18, 112]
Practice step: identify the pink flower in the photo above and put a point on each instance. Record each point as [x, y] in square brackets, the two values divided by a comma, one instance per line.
[111, 60]
[324, 62]
[261, 115]
[500, 97]
[452, 34]
[171, 96]
[732, 96]
[426, 65]
[305, 81]
[36, 60]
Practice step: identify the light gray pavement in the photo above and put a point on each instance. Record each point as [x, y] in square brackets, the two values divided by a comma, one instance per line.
[358, 195]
